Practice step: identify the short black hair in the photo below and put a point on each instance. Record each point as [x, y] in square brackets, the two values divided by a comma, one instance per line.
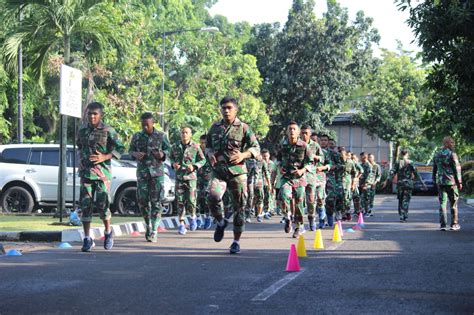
[146, 115]
[203, 137]
[362, 153]
[323, 135]
[404, 152]
[341, 149]
[265, 151]
[229, 99]
[95, 105]
[186, 127]
[306, 127]
[293, 123]
[314, 134]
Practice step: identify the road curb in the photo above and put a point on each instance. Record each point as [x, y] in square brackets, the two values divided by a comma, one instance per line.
[77, 235]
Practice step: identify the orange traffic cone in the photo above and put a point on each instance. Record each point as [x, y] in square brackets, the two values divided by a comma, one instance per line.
[301, 249]
[336, 237]
[318, 240]
[293, 264]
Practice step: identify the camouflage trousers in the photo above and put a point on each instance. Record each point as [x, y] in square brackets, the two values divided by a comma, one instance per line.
[255, 197]
[335, 201]
[202, 192]
[186, 197]
[268, 199]
[315, 198]
[347, 198]
[404, 196]
[94, 194]
[291, 189]
[237, 186]
[445, 194]
[371, 192]
[356, 200]
[150, 192]
[364, 198]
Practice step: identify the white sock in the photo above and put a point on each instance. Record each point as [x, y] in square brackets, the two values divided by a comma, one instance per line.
[236, 242]
[221, 222]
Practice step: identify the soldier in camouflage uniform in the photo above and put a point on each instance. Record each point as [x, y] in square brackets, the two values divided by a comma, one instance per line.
[251, 165]
[378, 176]
[97, 144]
[348, 180]
[150, 147]
[295, 162]
[322, 170]
[365, 183]
[406, 173]
[268, 191]
[186, 157]
[261, 176]
[447, 173]
[334, 189]
[204, 177]
[314, 189]
[229, 143]
[355, 185]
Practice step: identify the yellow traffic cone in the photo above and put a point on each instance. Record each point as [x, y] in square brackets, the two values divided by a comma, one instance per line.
[336, 237]
[301, 249]
[318, 240]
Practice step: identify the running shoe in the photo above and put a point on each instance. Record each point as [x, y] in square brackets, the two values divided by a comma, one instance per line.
[108, 240]
[87, 244]
[193, 225]
[182, 229]
[219, 232]
[455, 227]
[234, 248]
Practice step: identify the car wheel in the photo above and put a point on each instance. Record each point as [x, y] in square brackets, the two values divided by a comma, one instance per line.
[126, 201]
[167, 209]
[17, 199]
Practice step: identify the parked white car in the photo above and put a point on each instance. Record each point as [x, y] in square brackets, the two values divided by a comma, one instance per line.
[29, 180]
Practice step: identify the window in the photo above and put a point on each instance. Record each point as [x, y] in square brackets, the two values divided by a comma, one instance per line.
[15, 156]
[50, 158]
[35, 157]
[70, 156]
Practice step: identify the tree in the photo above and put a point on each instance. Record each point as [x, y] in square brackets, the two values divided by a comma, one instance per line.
[444, 29]
[312, 65]
[396, 100]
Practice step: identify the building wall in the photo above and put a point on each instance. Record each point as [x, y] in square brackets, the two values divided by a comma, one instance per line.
[356, 139]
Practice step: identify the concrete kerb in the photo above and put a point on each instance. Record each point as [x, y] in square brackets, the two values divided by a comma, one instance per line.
[77, 235]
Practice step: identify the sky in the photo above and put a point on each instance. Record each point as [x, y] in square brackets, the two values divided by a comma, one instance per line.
[387, 19]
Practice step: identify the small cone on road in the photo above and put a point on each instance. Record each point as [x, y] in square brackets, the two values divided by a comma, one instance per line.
[339, 224]
[356, 227]
[135, 233]
[360, 220]
[336, 237]
[64, 245]
[13, 252]
[301, 249]
[161, 229]
[318, 240]
[293, 264]
[350, 230]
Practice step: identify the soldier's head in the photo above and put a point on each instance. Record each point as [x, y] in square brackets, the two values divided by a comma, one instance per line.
[363, 157]
[293, 131]
[186, 134]
[354, 157]
[332, 144]
[404, 154]
[202, 142]
[265, 155]
[343, 153]
[371, 158]
[147, 122]
[449, 143]
[306, 133]
[229, 108]
[95, 111]
[323, 140]
[314, 136]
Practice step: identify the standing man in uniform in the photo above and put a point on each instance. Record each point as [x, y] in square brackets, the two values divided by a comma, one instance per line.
[97, 144]
[378, 176]
[150, 147]
[204, 177]
[313, 190]
[365, 183]
[186, 158]
[406, 173]
[229, 143]
[348, 179]
[295, 162]
[355, 184]
[269, 194]
[251, 165]
[321, 176]
[335, 193]
[447, 173]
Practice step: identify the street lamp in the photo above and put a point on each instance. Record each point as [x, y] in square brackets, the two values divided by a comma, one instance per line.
[209, 29]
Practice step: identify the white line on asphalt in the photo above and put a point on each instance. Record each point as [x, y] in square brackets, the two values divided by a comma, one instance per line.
[274, 288]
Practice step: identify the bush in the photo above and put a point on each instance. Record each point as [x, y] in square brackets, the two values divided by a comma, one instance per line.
[467, 171]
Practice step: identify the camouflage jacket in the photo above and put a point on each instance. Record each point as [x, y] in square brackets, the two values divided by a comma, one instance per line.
[185, 155]
[222, 140]
[377, 172]
[149, 166]
[293, 157]
[257, 172]
[270, 170]
[359, 171]
[204, 173]
[405, 172]
[446, 168]
[102, 139]
[336, 164]
[368, 177]
[317, 153]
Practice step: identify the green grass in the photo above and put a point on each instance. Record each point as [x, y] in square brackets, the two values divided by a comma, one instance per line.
[14, 223]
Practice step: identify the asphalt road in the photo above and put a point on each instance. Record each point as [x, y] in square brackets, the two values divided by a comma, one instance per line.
[389, 267]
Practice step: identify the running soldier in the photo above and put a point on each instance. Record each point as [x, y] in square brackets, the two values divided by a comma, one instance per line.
[355, 184]
[447, 173]
[314, 192]
[186, 157]
[251, 165]
[334, 190]
[97, 144]
[365, 183]
[268, 191]
[348, 180]
[229, 143]
[295, 161]
[204, 177]
[150, 147]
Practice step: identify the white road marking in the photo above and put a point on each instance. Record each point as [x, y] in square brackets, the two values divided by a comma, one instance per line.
[274, 288]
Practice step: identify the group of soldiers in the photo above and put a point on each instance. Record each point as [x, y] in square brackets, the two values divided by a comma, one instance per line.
[227, 174]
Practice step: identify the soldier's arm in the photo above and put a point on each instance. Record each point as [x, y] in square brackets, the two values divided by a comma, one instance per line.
[208, 151]
[132, 149]
[114, 144]
[165, 147]
[416, 175]
[252, 148]
[200, 159]
[318, 155]
[456, 166]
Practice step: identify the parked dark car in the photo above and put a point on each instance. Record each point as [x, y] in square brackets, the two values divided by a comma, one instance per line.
[427, 177]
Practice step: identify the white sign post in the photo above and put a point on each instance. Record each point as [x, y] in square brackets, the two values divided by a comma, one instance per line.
[70, 98]
[70, 104]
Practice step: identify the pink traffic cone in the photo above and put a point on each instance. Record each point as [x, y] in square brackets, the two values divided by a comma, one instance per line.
[356, 227]
[161, 229]
[135, 233]
[360, 220]
[339, 224]
[293, 264]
